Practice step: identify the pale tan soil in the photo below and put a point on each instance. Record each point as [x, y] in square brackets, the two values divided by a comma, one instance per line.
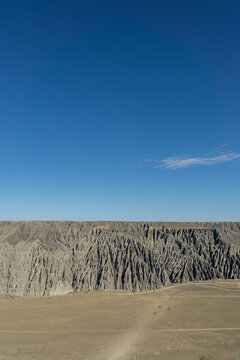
[231, 284]
[202, 318]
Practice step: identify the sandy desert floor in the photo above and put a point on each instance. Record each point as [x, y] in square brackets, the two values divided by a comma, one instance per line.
[180, 322]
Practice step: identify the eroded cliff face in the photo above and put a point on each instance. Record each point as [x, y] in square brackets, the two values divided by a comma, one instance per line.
[47, 258]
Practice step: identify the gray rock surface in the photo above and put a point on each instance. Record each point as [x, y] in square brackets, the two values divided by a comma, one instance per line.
[49, 258]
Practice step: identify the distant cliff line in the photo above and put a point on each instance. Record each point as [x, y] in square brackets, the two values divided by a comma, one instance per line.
[49, 257]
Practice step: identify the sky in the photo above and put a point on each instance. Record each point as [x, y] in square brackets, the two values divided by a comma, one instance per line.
[120, 110]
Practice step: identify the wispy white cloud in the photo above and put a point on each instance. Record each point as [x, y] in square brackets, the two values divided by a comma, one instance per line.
[178, 162]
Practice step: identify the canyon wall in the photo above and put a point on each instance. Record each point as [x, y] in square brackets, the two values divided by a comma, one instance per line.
[50, 258]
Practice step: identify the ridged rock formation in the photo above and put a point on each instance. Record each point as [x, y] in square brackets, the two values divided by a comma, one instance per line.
[47, 258]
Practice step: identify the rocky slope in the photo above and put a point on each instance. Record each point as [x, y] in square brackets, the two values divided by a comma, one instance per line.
[47, 258]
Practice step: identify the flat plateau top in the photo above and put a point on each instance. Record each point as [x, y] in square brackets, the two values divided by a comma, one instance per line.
[174, 225]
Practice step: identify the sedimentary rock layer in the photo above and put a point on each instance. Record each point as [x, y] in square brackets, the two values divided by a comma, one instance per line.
[47, 258]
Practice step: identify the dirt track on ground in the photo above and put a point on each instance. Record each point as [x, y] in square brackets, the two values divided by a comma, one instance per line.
[180, 322]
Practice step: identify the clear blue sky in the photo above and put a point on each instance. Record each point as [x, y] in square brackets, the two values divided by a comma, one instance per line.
[120, 110]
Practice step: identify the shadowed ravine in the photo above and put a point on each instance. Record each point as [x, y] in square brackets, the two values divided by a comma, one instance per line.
[49, 258]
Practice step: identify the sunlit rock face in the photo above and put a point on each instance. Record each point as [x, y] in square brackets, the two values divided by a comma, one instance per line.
[54, 258]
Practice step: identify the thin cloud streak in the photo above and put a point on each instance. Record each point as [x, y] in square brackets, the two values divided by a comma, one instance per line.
[183, 162]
